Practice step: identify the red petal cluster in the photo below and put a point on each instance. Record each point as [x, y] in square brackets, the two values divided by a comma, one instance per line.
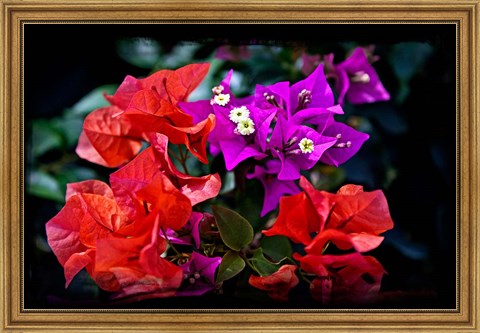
[349, 219]
[277, 284]
[114, 232]
[112, 135]
[343, 279]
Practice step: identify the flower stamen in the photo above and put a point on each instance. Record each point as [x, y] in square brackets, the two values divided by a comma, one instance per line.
[304, 97]
[271, 99]
[293, 152]
[360, 77]
[291, 142]
[347, 144]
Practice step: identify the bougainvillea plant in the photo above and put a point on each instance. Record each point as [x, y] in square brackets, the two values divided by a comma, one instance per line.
[161, 230]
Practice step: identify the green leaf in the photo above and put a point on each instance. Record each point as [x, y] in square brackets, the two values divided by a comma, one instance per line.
[43, 185]
[327, 177]
[70, 128]
[231, 265]
[408, 58]
[228, 183]
[44, 137]
[91, 101]
[261, 264]
[276, 247]
[74, 173]
[180, 55]
[248, 204]
[140, 52]
[236, 232]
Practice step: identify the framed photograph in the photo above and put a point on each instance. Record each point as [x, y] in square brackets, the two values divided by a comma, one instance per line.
[255, 166]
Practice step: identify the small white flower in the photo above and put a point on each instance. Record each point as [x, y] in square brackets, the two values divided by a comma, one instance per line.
[239, 114]
[221, 99]
[245, 127]
[306, 146]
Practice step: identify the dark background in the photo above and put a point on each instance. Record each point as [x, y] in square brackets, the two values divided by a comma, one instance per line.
[63, 62]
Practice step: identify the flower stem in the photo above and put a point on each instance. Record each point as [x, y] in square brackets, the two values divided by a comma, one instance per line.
[183, 159]
[248, 262]
[175, 156]
[180, 159]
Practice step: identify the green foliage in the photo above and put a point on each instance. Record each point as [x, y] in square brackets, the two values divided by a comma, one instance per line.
[43, 185]
[261, 264]
[276, 247]
[235, 231]
[231, 265]
[228, 182]
[140, 52]
[407, 59]
[180, 55]
[69, 128]
[266, 65]
[48, 178]
[91, 101]
[75, 173]
[45, 137]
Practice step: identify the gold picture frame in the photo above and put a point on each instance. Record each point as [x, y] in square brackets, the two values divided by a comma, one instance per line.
[464, 14]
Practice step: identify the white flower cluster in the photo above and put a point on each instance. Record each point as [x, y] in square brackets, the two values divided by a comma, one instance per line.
[241, 117]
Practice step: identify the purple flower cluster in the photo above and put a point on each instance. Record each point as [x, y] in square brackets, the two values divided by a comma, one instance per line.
[355, 78]
[284, 128]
